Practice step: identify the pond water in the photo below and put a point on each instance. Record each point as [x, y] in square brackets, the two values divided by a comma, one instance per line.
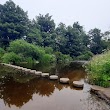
[19, 91]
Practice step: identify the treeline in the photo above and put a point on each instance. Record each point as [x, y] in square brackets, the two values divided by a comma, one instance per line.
[22, 39]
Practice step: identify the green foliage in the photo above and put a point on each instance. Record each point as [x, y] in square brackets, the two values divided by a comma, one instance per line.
[2, 51]
[61, 58]
[48, 50]
[85, 56]
[11, 57]
[97, 45]
[30, 52]
[44, 38]
[99, 68]
[34, 36]
[47, 59]
[70, 40]
[13, 22]
[46, 23]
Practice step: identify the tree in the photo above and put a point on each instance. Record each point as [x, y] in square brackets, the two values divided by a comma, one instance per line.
[60, 39]
[96, 45]
[74, 43]
[13, 22]
[46, 23]
[34, 36]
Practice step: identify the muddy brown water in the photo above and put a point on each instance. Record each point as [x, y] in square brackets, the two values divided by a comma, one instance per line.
[28, 92]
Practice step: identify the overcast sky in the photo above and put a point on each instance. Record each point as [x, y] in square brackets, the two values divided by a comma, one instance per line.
[89, 13]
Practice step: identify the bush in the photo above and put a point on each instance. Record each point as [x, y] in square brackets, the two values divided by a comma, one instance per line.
[2, 51]
[61, 58]
[11, 58]
[47, 59]
[31, 53]
[49, 50]
[99, 68]
[85, 56]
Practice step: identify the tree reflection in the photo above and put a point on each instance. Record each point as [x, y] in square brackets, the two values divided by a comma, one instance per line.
[18, 89]
[15, 93]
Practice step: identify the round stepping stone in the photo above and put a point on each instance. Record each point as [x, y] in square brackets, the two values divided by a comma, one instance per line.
[54, 77]
[78, 84]
[38, 73]
[45, 74]
[64, 80]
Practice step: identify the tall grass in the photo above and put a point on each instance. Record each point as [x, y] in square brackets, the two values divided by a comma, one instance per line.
[99, 69]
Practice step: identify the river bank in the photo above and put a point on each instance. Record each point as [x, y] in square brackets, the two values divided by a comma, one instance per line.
[101, 92]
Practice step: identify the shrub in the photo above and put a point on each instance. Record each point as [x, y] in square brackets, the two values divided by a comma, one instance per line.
[61, 58]
[31, 53]
[11, 57]
[49, 50]
[99, 68]
[2, 51]
[47, 59]
[85, 56]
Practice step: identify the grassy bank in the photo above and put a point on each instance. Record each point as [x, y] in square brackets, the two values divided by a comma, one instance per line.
[99, 69]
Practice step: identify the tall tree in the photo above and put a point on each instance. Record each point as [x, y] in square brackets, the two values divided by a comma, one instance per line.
[96, 45]
[13, 22]
[60, 39]
[74, 43]
[46, 23]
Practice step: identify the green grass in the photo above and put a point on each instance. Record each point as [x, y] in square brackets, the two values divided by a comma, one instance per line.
[99, 69]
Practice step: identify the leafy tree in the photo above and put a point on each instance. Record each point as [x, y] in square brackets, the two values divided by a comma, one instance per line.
[96, 45]
[46, 23]
[60, 39]
[74, 46]
[106, 39]
[34, 37]
[13, 22]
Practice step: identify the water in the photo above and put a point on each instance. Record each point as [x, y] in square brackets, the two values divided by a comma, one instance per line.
[27, 92]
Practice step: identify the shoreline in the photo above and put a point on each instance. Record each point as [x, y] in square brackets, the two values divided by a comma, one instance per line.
[101, 92]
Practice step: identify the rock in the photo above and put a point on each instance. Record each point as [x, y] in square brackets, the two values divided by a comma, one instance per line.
[26, 70]
[45, 74]
[96, 88]
[54, 77]
[103, 93]
[38, 73]
[19, 68]
[78, 84]
[33, 71]
[64, 80]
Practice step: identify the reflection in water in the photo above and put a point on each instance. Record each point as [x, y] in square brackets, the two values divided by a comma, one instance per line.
[43, 94]
[15, 93]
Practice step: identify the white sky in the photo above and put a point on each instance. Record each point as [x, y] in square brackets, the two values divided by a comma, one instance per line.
[89, 13]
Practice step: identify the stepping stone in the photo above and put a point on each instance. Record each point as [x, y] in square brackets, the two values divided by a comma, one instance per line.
[78, 84]
[33, 71]
[25, 70]
[45, 74]
[64, 80]
[19, 68]
[38, 73]
[54, 77]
